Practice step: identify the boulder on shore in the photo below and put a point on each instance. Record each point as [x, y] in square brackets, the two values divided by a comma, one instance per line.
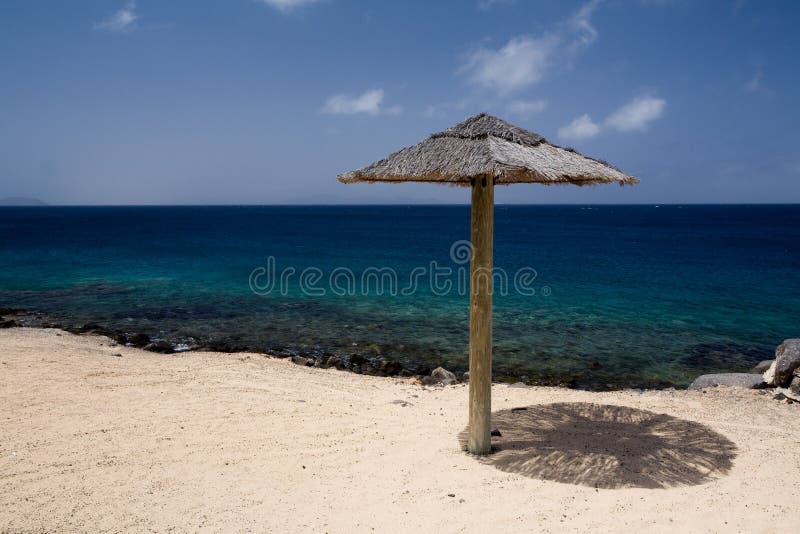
[444, 376]
[787, 361]
[794, 386]
[762, 367]
[739, 380]
[301, 360]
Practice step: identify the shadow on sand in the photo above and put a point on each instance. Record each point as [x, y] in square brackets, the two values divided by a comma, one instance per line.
[606, 446]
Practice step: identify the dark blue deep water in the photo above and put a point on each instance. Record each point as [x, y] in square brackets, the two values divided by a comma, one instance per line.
[623, 295]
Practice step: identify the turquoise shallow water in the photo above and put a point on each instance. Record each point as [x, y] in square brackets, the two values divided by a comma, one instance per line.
[623, 295]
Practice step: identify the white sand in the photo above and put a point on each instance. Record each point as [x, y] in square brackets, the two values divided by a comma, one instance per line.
[221, 442]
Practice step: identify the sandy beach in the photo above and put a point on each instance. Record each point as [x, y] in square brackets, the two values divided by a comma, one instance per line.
[110, 438]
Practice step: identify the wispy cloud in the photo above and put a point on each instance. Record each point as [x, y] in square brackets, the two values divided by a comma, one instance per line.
[581, 22]
[286, 6]
[369, 102]
[517, 65]
[489, 4]
[637, 114]
[755, 85]
[581, 128]
[524, 60]
[124, 20]
[526, 107]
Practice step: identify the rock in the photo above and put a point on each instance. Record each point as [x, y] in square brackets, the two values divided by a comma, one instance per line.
[465, 376]
[336, 362]
[441, 374]
[139, 340]
[794, 386]
[162, 347]
[368, 369]
[428, 380]
[762, 367]
[90, 328]
[9, 323]
[787, 361]
[739, 380]
[391, 367]
[302, 360]
[496, 433]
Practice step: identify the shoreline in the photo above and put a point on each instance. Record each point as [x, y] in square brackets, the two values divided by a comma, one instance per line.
[203, 440]
[353, 361]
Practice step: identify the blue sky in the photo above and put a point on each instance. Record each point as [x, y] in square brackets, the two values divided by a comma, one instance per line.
[265, 101]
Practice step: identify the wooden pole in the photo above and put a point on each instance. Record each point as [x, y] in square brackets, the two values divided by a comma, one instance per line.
[480, 317]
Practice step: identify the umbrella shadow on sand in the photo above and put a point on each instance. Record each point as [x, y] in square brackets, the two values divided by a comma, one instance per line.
[606, 446]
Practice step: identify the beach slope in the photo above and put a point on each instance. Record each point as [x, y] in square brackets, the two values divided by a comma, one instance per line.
[102, 437]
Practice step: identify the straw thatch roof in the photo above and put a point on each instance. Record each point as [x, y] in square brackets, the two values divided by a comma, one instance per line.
[484, 145]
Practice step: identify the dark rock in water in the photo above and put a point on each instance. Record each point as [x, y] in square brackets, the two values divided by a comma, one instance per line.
[405, 373]
[162, 347]
[422, 370]
[356, 359]
[302, 360]
[334, 361]
[595, 365]
[356, 369]
[740, 380]
[723, 355]
[368, 369]
[90, 328]
[762, 367]
[10, 311]
[787, 361]
[391, 367]
[9, 323]
[441, 374]
[139, 340]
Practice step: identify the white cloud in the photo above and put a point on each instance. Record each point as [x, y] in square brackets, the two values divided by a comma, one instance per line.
[636, 114]
[527, 107]
[518, 64]
[368, 102]
[524, 60]
[581, 128]
[122, 21]
[287, 5]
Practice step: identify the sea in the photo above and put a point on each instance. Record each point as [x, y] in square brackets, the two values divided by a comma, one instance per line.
[585, 296]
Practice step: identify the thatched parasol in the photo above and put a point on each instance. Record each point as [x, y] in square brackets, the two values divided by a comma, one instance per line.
[481, 152]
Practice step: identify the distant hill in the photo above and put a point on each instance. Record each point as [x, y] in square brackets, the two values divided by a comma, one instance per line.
[21, 201]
